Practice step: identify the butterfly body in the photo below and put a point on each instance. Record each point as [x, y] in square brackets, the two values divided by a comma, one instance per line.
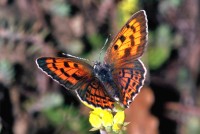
[103, 72]
[118, 79]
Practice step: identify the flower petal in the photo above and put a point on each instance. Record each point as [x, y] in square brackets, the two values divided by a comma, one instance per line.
[95, 120]
[116, 128]
[119, 117]
[107, 118]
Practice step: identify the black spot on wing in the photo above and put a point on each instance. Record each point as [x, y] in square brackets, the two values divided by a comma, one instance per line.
[54, 66]
[66, 64]
[132, 40]
[127, 52]
[122, 38]
[127, 26]
[63, 71]
[75, 65]
[75, 76]
[133, 28]
[115, 47]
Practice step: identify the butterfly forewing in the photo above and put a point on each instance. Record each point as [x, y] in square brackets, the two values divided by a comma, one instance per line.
[130, 42]
[69, 72]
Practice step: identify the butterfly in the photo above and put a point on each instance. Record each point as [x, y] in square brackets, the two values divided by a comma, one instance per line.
[118, 79]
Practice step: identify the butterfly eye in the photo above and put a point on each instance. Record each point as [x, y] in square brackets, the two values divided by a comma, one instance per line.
[96, 69]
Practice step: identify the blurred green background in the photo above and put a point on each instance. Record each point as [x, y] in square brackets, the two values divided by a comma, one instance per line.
[30, 102]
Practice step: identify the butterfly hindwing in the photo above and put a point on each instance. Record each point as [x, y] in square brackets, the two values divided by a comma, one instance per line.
[130, 42]
[130, 78]
[69, 72]
[93, 93]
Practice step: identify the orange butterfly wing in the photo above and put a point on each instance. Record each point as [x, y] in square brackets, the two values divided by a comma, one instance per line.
[130, 78]
[123, 53]
[75, 74]
[93, 93]
[69, 72]
[130, 42]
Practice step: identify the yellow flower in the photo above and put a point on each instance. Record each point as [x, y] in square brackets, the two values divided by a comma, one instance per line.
[95, 120]
[118, 121]
[126, 8]
[98, 111]
[116, 127]
[107, 118]
[119, 117]
[128, 5]
[103, 119]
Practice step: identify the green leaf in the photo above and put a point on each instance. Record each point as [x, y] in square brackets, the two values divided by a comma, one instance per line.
[6, 71]
[159, 47]
[68, 118]
[96, 40]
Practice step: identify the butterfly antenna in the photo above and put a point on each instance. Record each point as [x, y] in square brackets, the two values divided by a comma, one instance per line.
[69, 55]
[104, 46]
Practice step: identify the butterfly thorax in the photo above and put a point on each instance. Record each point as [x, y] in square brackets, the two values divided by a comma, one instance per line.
[104, 73]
